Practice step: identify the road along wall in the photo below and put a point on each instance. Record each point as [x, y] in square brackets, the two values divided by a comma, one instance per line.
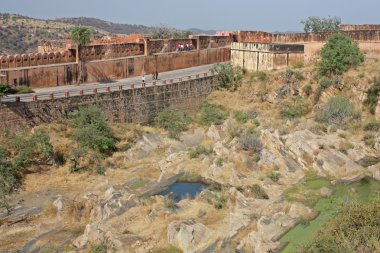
[134, 105]
[112, 69]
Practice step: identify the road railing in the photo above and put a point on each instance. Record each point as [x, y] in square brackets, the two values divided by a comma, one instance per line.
[101, 89]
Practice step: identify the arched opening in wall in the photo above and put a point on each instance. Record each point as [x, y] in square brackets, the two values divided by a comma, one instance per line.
[32, 60]
[18, 60]
[51, 58]
[4, 62]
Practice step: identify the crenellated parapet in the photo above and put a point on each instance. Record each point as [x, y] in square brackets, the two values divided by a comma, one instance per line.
[36, 59]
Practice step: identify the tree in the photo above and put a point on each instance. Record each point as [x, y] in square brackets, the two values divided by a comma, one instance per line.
[338, 55]
[163, 32]
[316, 24]
[81, 36]
[4, 89]
[228, 76]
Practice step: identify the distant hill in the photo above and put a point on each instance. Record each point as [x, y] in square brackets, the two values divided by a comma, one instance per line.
[110, 27]
[20, 34]
[199, 31]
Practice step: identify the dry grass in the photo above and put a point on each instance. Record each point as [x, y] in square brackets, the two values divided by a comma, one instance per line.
[50, 210]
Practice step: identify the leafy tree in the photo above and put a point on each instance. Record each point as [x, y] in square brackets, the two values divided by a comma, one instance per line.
[316, 24]
[81, 36]
[92, 131]
[228, 76]
[163, 32]
[338, 55]
[8, 180]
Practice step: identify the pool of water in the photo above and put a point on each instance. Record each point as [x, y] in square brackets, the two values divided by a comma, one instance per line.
[327, 207]
[184, 190]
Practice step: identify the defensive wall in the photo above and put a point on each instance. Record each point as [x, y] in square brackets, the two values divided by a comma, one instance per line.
[106, 70]
[368, 40]
[111, 61]
[265, 56]
[132, 105]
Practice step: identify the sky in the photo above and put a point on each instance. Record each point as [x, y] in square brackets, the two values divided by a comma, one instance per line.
[266, 15]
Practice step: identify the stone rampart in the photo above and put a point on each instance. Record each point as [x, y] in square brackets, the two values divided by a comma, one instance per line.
[135, 105]
[112, 69]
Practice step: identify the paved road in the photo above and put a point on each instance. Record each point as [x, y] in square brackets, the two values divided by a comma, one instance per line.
[75, 90]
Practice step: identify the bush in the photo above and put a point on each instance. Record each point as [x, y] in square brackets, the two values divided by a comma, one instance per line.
[172, 121]
[372, 124]
[199, 150]
[338, 55]
[373, 94]
[369, 140]
[219, 162]
[307, 89]
[99, 248]
[274, 176]
[325, 82]
[258, 192]
[298, 65]
[23, 90]
[212, 114]
[8, 181]
[338, 109]
[241, 117]
[4, 89]
[251, 142]
[295, 107]
[92, 131]
[30, 149]
[228, 76]
[355, 228]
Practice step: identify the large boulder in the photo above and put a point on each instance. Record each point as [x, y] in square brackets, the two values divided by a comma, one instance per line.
[271, 228]
[189, 236]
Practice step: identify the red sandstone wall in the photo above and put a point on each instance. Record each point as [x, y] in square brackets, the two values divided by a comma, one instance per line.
[113, 69]
[359, 27]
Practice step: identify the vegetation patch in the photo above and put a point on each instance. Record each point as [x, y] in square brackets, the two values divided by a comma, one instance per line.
[338, 55]
[373, 94]
[212, 114]
[258, 192]
[228, 76]
[172, 121]
[337, 110]
[295, 107]
[199, 150]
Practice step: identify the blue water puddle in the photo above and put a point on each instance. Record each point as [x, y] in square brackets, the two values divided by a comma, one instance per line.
[184, 190]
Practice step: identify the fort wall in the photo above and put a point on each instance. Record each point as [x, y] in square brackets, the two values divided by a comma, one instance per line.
[112, 69]
[138, 105]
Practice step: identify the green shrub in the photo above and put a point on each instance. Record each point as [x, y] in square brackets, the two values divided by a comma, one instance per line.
[261, 76]
[373, 94]
[229, 77]
[298, 65]
[212, 114]
[258, 192]
[371, 124]
[220, 201]
[338, 55]
[345, 146]
[325, 82]
[172, 121]
[338, 109]
[199, 150]
[369, 140]
[219, 162]
[100, 170]
[8, 181]
[23, 90]
[99, 248]
[250, 142]
[241, 117]
[295, 107]
[33, 148]
[355, 228]
[5, 89]
[274, 176]
[307, 89]
[298, 75]
[234, 132]
[92, 131]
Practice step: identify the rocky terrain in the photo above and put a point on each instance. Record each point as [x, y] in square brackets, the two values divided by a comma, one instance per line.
[246, 206]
